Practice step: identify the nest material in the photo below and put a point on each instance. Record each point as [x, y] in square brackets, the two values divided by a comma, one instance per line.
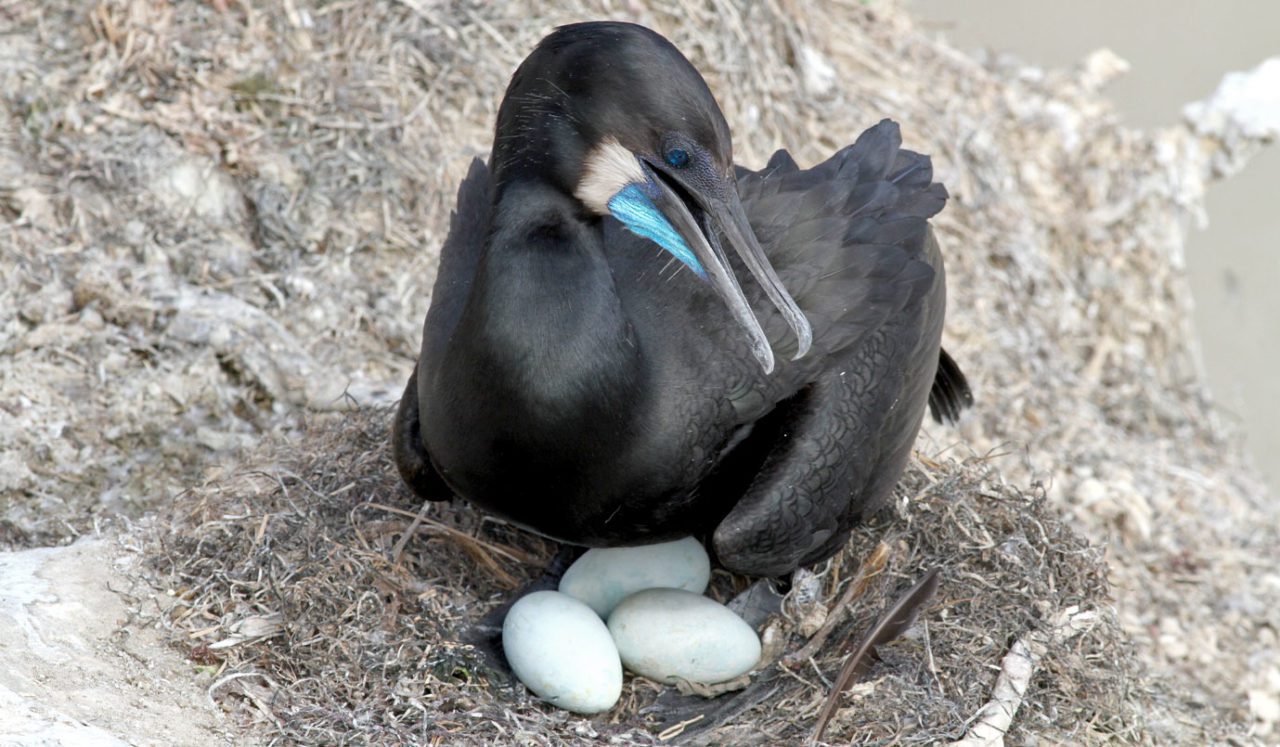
[320, 625]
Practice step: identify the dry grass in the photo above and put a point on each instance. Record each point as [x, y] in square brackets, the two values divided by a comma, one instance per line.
[221, 224]
[289, 591]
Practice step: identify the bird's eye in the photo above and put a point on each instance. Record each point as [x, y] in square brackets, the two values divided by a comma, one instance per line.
[678, 157]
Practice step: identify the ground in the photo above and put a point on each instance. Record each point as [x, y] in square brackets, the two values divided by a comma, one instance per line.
[218, 231]
[81, 667]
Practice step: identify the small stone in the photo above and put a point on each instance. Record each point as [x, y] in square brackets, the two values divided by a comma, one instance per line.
[559, 648]
[671, 635]
[1264, 706]
[603, 577]
[806, 602]
[818, 75]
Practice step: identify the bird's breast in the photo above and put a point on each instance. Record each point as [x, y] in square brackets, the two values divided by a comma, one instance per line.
[594, 460]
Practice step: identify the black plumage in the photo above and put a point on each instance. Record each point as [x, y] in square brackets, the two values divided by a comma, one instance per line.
[579, 381]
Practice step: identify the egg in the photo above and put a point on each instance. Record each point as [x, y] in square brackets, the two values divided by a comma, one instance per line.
[603, 577]
[561, 650]
[670, 634]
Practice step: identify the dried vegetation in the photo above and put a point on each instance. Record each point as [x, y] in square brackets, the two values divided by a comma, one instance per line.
[319, 624]
[218, 221]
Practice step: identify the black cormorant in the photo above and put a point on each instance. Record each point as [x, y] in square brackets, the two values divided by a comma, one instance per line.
[592, 369]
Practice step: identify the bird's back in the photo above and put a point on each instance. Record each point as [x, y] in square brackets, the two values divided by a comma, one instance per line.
[834, 430]
[850, 240]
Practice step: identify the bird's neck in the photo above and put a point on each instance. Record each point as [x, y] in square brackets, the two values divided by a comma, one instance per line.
[544, 313]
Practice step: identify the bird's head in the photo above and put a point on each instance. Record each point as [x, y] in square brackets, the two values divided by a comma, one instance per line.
[614, 115]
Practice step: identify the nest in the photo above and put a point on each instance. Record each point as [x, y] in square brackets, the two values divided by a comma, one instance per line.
[326, 610]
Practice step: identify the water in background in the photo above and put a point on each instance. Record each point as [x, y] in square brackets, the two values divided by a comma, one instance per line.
[1179, 50]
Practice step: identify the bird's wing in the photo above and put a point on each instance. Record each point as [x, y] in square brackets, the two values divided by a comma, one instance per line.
[408, 451]
[458, 258]
[843, 444]
[851, 242]
[847, 237]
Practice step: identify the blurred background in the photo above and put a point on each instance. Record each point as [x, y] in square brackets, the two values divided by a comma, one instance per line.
[1178, 51]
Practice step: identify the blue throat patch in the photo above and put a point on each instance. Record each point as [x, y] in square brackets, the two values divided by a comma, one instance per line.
[638, 213]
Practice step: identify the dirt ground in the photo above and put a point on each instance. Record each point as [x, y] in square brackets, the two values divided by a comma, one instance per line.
[83, 663]
[219, 224]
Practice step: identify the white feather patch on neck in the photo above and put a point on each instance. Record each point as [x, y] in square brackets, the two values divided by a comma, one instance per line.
[607, 169]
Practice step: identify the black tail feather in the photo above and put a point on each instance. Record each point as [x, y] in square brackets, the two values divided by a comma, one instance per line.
[951, 393]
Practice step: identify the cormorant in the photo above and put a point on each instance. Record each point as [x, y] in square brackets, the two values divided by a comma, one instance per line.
[591, 368]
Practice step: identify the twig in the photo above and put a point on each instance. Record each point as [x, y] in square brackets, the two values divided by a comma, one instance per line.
[676, 730]
[398, 552]
[1016, 670]
[509, 553]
